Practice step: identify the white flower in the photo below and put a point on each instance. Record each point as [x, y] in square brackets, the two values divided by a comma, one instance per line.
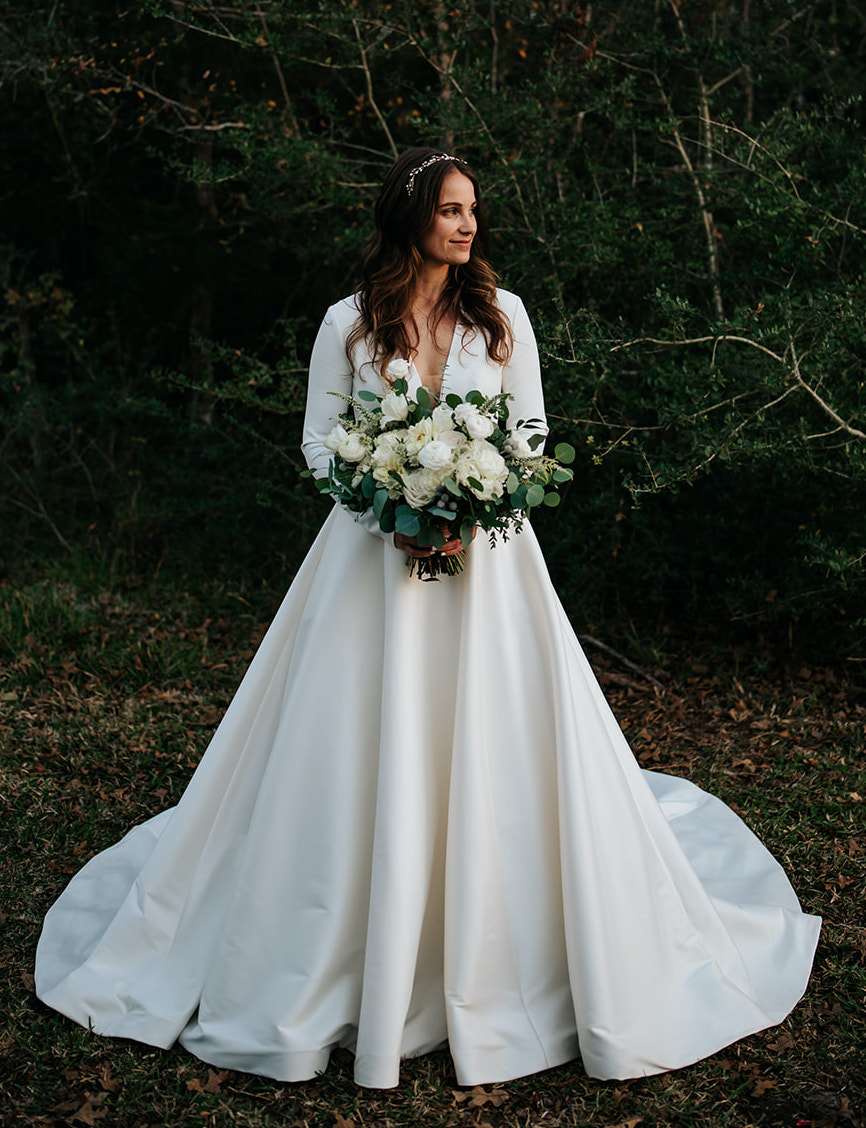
[398, 369]
[418, 435]
[395, 407]
[477, 426]
[435, 455]
[336, 437]
[517, 446]
[454, 439]
[388, 455]
[353, 448]
[419, 487]
[443, 419]
[483, 462]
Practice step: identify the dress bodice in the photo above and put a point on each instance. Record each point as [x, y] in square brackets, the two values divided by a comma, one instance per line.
[333, 368]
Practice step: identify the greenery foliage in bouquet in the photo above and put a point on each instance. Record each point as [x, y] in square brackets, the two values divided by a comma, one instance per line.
[436, 470]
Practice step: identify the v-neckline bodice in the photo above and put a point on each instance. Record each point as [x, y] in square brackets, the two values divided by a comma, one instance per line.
[445, 367]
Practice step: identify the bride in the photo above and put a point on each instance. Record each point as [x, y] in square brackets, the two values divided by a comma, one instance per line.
[419, 822]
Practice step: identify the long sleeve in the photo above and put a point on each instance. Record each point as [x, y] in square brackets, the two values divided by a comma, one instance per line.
[330, 371]
[521, 376]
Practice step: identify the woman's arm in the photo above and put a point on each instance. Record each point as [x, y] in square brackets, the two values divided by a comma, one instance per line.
[330, 371]
[521, 376]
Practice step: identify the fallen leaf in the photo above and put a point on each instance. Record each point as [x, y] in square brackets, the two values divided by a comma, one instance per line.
[108, 1083]
[784, 1042]
[627, 1123]
[478, 1097]
[84, 1110]
[762, 1087]
[212, 1085]
[27, 980]
[342, 1122]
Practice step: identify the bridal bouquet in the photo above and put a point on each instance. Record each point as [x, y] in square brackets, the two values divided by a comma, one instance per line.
[436, 470]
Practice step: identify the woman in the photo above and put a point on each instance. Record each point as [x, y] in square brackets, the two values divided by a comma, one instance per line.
[418, 820]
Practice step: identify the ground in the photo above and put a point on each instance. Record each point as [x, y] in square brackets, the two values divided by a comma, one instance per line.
[108, 695]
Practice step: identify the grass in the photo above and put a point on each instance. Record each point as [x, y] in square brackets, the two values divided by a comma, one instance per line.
[108, 696]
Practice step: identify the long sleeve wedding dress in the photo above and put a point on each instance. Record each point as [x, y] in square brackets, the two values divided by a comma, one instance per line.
[419, 822]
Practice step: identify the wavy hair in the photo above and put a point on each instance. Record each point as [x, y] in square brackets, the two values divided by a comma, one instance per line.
[392, 264]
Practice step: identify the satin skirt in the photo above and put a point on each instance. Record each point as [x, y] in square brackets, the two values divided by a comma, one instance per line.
[419, 823]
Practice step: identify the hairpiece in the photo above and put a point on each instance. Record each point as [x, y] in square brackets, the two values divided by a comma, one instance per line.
[410, 183]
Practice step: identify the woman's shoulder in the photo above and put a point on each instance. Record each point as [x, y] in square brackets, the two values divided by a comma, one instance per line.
[343, 314]
[509, 303]
[512, 306]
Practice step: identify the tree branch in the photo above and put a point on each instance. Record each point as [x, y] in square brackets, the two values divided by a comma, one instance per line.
[370, 94]
[794, 368]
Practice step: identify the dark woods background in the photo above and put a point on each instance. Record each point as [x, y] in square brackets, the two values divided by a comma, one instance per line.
[676, 191]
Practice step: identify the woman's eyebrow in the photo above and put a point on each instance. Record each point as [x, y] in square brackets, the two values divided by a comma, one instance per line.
[456, 204]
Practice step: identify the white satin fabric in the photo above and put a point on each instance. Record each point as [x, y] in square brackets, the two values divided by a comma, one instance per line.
[419, 822]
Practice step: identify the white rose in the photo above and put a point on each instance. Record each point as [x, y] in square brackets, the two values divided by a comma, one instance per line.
[443, 419]
[435, 455]
[518, 447]
[388, 455]
[336, 437]
[354, 448]
[418, 435]
[480, 426]
[398, 369]
[454, 439]
[477, 426]
[483, 462]
[419, 487]
[395, 407]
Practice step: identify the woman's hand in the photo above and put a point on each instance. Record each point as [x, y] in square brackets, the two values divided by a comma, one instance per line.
[411, 547]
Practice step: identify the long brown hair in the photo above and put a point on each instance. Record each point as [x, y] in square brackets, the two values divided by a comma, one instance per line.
[392, 264]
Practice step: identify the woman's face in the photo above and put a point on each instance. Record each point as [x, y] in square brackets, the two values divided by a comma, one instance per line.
[448, 239]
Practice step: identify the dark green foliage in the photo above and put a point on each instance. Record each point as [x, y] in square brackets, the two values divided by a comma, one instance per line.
[676, 191]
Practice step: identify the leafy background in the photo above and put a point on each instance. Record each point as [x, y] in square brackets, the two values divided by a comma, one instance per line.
[676, 190]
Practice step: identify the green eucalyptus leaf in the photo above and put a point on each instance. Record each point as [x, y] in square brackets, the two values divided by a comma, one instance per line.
[406, 522]
[564, 452]
[423, 399]
[534, 495]
[379, 500]
[551, 500]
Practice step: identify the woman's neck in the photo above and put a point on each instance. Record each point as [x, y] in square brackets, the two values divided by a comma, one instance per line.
[428, 288]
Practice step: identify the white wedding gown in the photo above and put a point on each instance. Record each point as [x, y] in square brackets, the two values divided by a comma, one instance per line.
[419, 822]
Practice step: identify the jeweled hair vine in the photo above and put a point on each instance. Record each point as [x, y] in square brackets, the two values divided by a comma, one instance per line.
[410, 183]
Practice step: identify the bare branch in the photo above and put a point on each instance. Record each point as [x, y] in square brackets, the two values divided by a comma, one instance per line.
[794, 368]
[275, 59]
[365, 67]
[822, 402]
[706, 214]
[629, 665]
